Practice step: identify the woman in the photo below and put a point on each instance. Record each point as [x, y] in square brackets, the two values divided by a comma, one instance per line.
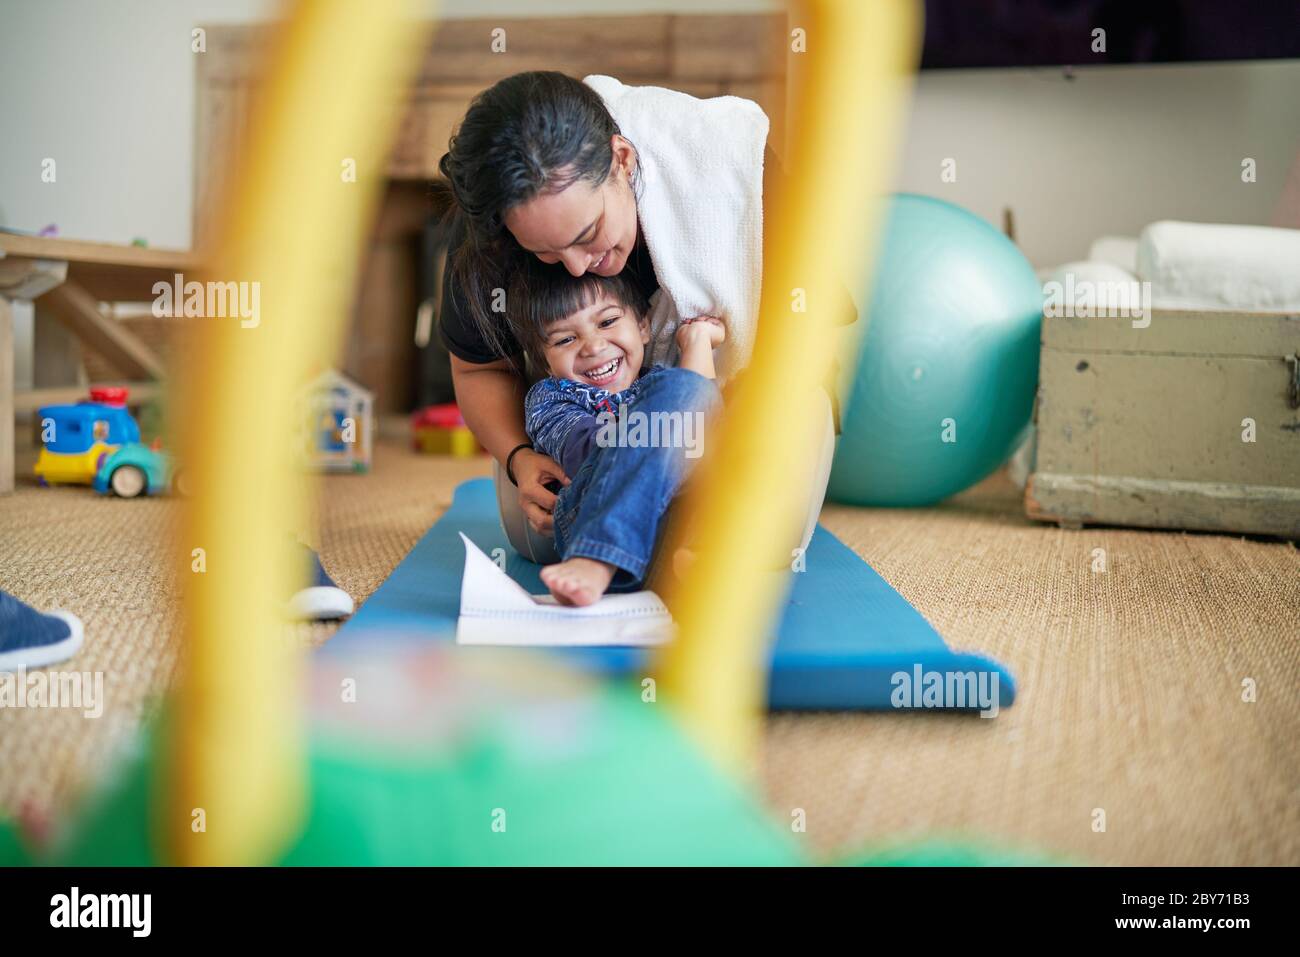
[537, 168]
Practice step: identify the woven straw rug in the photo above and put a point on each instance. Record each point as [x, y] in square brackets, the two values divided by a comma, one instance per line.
[1130, 679]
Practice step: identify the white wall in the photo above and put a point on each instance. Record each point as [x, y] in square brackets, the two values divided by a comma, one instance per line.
[1108, 151]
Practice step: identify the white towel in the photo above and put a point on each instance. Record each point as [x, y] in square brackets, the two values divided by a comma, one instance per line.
[1122, 251]
[1104, 284]
[700, 209]
[1213, 266]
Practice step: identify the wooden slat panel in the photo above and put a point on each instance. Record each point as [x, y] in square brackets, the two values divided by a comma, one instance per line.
[461, 50]
[626, 47]
[426, 128]
[216, 121]
[234, 54]
[223, 112]
[728, 48]
[700, 55]
[433, 116]
[233, 59]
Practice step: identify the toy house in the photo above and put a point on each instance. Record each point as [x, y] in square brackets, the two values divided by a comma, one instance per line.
[338, 424]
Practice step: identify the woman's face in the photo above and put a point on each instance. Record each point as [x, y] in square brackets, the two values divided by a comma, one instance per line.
[587, 229]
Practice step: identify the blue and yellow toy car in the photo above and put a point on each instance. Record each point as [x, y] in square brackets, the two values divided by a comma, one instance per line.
[77, 438]
[97, 443]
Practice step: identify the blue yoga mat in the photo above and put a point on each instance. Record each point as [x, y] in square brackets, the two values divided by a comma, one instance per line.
[846, 640]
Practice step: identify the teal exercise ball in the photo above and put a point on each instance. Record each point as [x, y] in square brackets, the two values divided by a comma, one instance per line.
[947, 370]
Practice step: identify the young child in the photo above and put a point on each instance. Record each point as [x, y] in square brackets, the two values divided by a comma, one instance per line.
[590, 334]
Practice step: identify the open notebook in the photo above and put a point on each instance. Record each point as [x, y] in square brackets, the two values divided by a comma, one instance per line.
[495, 610]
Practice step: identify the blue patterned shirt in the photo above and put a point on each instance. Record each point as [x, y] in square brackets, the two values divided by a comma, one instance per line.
[560, 416]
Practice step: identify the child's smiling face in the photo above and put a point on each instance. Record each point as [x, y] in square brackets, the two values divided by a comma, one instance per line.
[602, 344]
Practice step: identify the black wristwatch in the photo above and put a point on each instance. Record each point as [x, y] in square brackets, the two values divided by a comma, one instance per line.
[511, 457]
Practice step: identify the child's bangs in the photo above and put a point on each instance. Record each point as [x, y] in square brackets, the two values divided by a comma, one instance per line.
[557, 300]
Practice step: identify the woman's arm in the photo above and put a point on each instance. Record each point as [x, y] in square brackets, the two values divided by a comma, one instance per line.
[491, 399]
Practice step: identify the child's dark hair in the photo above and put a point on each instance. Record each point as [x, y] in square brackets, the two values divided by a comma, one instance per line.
[540, 295]
[529, 134]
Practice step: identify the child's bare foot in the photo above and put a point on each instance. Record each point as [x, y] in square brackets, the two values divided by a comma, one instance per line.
[683, 559]
[579, 581]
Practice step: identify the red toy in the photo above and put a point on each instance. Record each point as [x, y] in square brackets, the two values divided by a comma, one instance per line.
[441, 430]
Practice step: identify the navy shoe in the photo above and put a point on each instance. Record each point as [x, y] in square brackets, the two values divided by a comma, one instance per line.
[322, 600]
[29, 639]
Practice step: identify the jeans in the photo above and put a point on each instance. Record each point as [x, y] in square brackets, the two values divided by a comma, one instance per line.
[613, 509]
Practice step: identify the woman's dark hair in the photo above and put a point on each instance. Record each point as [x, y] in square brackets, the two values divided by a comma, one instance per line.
[529, 134]
[540, 295]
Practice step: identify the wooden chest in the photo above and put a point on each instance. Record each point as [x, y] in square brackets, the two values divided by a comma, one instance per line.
[1192, 421]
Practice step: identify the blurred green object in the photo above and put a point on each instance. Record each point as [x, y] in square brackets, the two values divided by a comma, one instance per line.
[12, 851]
[582, 774]
[628, 791]
[947, 370]
[951, 853]
[444, 756]
[633, 794]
